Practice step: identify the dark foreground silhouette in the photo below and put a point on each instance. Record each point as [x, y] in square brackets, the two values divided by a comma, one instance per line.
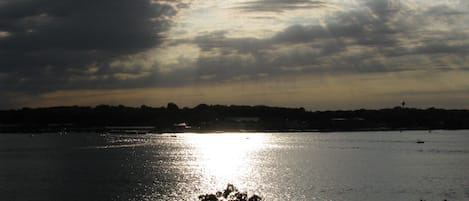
[211, 118]
[231, 193]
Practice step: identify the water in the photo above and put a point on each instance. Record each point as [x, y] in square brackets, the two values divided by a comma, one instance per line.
[349, 166]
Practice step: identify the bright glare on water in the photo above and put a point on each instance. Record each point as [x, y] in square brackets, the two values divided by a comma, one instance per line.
[224, 158]
[348, 166]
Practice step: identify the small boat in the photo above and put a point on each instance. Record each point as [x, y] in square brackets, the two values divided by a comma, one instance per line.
[420, 142]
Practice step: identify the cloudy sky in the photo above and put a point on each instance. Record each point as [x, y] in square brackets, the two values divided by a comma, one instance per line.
[334, 54]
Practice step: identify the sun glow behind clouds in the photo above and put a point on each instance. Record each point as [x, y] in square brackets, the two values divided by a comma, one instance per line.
[226, 158]
[333, 54]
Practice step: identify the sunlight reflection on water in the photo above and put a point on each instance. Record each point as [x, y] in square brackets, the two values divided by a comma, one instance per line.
[227, 158]
[386, 166]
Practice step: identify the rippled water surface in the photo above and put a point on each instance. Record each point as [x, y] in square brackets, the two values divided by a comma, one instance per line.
[349, 166]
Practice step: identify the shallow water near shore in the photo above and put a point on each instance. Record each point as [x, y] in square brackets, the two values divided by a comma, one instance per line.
[345, 166]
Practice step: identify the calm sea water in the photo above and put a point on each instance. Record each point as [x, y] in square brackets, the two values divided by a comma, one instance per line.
[348, 166]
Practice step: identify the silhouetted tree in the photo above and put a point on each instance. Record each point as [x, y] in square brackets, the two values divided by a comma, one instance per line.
[221, 117]
[172, 107]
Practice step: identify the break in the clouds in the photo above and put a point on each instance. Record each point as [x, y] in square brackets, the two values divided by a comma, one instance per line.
[50, 47]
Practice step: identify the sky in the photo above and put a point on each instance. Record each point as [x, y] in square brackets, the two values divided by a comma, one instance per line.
[320, 55]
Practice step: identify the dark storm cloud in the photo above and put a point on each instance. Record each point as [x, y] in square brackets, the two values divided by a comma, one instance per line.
[279, 5]
[48, 40]
[58, 45]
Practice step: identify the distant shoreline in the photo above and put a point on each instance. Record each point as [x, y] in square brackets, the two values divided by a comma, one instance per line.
[212, 118]
[84, 130]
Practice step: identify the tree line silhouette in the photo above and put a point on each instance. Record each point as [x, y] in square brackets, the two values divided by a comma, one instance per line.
[207, 118]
